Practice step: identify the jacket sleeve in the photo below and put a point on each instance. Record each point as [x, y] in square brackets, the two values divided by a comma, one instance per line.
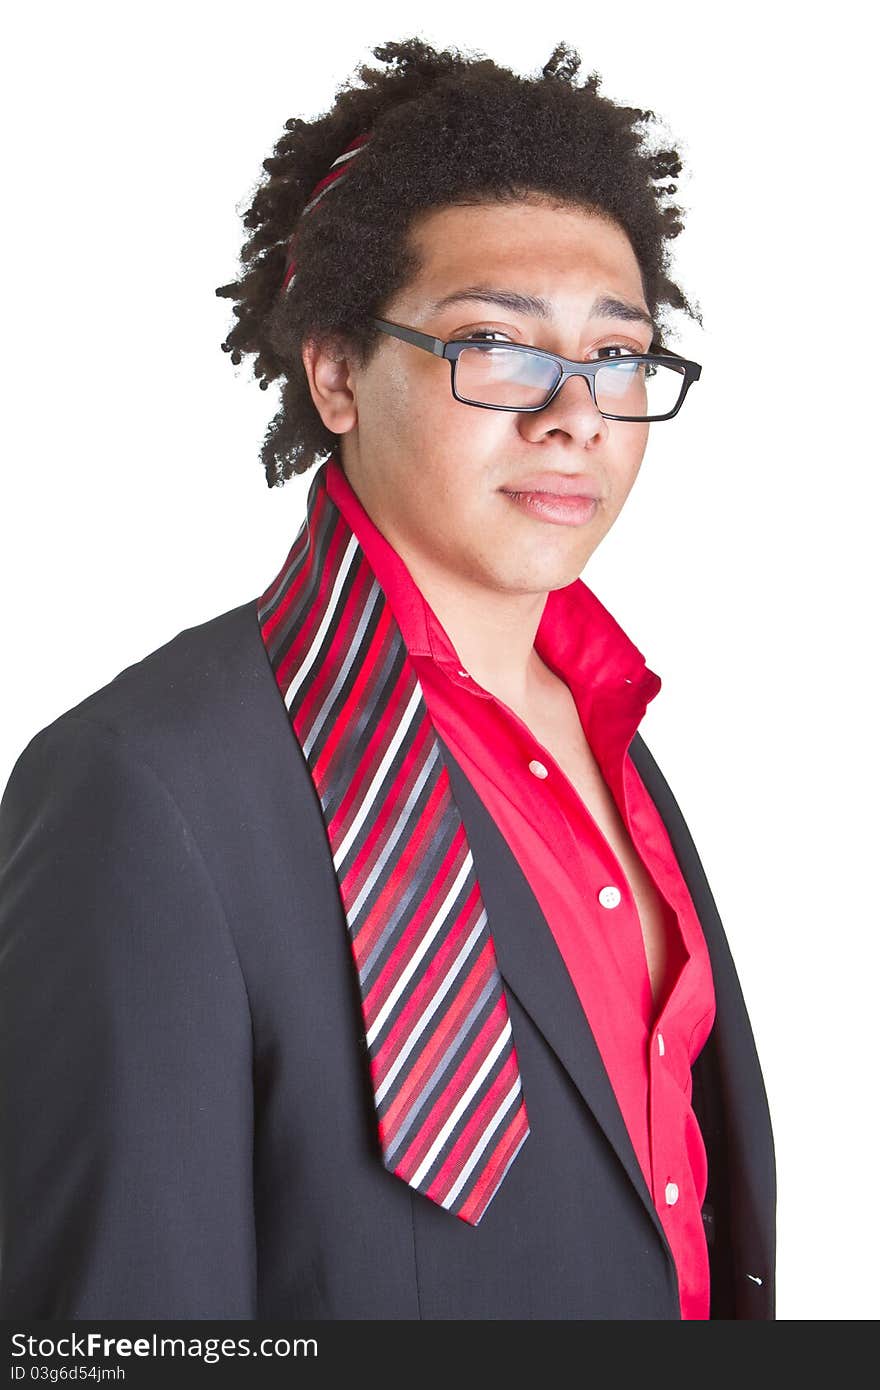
[126, 1099]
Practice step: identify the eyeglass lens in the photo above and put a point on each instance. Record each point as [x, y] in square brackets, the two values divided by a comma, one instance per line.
[519, 380]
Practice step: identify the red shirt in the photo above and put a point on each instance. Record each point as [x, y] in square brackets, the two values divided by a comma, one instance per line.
[648, 1054]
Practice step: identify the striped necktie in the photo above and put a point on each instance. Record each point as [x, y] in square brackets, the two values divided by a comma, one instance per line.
[443, 1066]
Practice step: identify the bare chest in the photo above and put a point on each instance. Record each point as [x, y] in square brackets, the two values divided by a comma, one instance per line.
[565, 739]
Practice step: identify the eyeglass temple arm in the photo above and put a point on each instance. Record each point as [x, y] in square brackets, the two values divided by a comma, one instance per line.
[412, 335]
[668, 352]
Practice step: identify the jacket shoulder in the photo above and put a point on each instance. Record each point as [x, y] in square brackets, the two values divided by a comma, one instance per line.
[192, 675]
[205, 690]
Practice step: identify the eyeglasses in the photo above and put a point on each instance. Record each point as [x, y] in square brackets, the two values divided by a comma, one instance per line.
[511, 376]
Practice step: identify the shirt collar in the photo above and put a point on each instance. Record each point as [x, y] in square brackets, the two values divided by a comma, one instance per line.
[576, 636]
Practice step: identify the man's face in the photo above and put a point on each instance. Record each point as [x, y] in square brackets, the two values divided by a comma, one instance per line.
[430, 470]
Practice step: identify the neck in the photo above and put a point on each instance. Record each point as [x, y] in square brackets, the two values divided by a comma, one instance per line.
[492, 632]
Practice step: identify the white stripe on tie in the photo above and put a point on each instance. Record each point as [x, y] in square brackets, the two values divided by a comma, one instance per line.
[423, 946]
[422, 1023]
[372, 791]
[461, 1107]
[329, 617]
[486, 1136]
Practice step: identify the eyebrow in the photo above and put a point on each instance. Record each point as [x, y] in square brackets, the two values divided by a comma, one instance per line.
[607, 306]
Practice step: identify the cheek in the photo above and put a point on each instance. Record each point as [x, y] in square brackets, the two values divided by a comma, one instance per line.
[449, 500]
[420, 417]
[626, 459]
[423, 405]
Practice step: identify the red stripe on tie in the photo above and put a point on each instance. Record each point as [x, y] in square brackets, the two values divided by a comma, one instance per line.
[444, 1102]
[424, 992]
[463, 1147]
[396, 883]
[368, 673]
[371, 849]
[484, 1188]
[423, 915]
[373, 752]
[431, 1054]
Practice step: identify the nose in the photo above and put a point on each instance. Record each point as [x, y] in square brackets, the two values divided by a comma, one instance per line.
[571, 411]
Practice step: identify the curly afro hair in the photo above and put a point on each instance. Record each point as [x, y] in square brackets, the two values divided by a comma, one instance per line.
[444, 128]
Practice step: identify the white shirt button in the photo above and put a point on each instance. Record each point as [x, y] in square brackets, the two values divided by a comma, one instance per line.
[609, 896]
[464, 673]
[538, 768]
[661, 1046]
[671, 1193]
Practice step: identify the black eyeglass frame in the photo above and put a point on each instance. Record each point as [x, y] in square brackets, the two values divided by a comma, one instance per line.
[567, 368]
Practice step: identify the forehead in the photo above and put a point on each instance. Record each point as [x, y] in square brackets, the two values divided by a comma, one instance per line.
[537, 246]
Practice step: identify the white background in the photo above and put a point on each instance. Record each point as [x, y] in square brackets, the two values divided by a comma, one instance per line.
[134, 503]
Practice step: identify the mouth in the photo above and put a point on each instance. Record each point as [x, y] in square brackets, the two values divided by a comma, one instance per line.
[572, 509]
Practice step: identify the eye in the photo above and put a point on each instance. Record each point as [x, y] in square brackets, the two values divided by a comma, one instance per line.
[485, 333]
[627, 349]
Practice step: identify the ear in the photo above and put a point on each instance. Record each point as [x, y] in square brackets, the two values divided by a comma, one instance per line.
[328, 365]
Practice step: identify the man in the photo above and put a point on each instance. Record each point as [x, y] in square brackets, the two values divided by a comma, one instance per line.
[357, 958]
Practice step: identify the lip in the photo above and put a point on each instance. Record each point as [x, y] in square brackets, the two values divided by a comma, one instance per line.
[555, 485]
[573, 509]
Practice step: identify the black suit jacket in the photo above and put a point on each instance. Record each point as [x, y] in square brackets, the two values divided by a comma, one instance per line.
[188, 1126]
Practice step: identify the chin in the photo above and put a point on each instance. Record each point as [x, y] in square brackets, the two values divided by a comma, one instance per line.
[565, 562]
[541, 577]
